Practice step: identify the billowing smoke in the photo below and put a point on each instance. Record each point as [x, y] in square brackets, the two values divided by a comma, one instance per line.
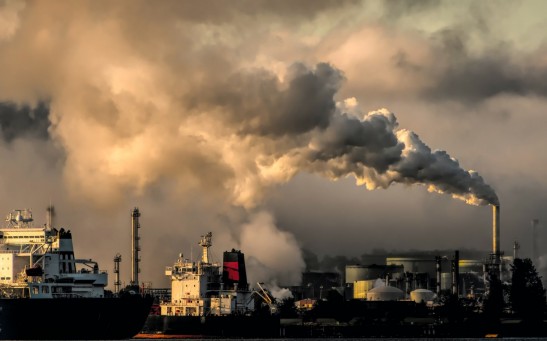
[186, 97]
[130, 113]
[378, 155]
[272, 256]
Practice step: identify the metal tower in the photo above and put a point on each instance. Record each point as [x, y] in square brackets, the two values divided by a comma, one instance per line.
[117, 282]
[135, 248]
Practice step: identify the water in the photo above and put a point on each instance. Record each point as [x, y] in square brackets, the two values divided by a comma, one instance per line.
[350, 339]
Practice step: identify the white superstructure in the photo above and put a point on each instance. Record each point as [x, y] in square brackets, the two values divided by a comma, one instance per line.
[39, 262]
[197, 288]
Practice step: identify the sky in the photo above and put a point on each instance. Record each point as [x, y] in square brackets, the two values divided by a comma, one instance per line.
[338, 127]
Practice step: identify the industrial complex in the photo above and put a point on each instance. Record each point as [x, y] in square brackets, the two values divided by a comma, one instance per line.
[436, 293]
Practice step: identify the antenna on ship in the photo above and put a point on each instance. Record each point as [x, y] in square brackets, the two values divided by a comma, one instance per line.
[206, 243]
[135, 214]
[117, 282]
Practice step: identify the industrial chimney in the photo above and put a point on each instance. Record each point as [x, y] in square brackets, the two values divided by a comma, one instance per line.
[496, 233]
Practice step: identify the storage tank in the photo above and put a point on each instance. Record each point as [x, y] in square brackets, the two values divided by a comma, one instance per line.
[361, 288]
[422, 295]
[385, 293]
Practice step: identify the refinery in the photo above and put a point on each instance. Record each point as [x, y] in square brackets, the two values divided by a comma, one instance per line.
[421, 295]
[273, 169]
[427, 294]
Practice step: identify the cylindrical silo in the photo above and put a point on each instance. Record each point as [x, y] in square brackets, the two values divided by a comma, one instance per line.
[422, 295]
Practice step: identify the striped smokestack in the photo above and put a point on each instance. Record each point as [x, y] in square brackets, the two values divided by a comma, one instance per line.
[496, 231]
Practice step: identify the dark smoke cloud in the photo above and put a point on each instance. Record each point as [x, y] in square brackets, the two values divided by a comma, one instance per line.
[23, 121]
[396, 8]
[319, 139]
[257, 103]
[472, 78]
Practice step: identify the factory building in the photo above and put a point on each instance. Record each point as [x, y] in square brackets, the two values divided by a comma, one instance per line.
[423, 275]
[360, 279]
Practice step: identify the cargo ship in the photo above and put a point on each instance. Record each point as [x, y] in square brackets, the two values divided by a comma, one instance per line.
[209, 299]
[47, 293]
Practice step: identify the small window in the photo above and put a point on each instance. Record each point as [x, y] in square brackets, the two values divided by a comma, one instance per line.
[45, 289]
[35, 290]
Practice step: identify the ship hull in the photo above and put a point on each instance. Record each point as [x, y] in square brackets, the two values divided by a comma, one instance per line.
[73, 318]
[225, 326]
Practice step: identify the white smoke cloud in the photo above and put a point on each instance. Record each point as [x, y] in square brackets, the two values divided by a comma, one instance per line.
[271, 255]
[280, 293]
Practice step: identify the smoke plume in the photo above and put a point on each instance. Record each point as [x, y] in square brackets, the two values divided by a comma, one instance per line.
[272, 256]
[129, 113]
[184, 98]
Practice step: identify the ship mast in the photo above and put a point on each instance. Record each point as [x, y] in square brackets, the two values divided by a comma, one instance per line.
[206, 243]
[135, 248]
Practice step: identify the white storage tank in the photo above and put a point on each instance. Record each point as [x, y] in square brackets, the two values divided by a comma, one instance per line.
[385, 293]
[422, 295]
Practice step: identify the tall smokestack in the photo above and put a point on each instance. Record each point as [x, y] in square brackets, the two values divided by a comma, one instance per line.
[496, 232]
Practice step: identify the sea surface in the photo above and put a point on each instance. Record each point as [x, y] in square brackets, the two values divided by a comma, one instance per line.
[350, 339]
